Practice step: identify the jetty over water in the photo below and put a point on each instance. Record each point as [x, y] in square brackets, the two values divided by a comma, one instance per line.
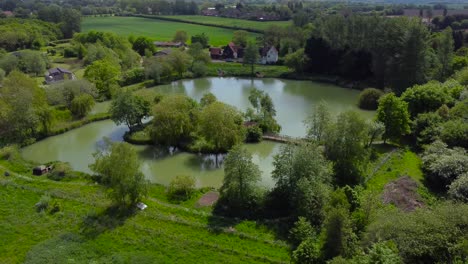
[283, 138]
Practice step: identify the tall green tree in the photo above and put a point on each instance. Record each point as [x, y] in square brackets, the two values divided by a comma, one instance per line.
[318, 123]
[241, 176]
[346, 145]
[296, 60]
[119, 168]
[445, 52]
[222, 125]
[104, 75]
[240, 37]
[81, 105]
[142, 44]
[174, 119]
[179, 61]
[180, 36]
[129, 109]
[303, 177]
[393, 113]
[251, 56]
[21, 99]
[412, 65]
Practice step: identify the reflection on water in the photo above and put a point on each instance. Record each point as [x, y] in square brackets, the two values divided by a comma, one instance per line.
[294, 101]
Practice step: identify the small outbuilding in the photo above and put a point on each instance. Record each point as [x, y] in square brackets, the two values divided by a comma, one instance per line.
[58, 74]
[41, 169]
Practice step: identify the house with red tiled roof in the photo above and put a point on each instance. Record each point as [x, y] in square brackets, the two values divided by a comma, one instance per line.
[216, 53]
[232, 51]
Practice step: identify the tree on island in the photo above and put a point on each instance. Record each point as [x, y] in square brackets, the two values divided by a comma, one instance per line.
[129, 109]
[221, 125]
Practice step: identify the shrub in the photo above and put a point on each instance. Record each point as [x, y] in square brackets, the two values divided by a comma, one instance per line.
[181, 187]
[9, 152]
[133, 76]
[69, 53]
[254, 134]
[60, 170]
[199, 69]
[307, 252]
[301, 231]
[369, 97]
[81, 105]
[43, 203]
[443, 165]
[458, 190]
[455, 133]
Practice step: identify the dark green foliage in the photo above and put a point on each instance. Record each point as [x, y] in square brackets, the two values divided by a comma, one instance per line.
[251, 56]
[203, 39]
[458, 189]
[133, 76]
[254, 134]
[455, 133]
[301, 231]
[119, 168]
[425, 236]
[345, 145]
[264, 111]
[426, 98]
[302, 176]
[141, 44]
[340, 239]
[129, 109]
[26, 33]
[426, 128]
[443, 165]
[393, 113]
[239, 191]
[369, 98]
[81, 105]
[207, 99]
[174, 120]
[308, 252]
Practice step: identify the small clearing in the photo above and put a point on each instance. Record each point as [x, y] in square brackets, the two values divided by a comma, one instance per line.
[402, 193]
[208, 199]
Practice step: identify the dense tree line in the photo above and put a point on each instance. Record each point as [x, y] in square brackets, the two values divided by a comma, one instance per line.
[18, 34]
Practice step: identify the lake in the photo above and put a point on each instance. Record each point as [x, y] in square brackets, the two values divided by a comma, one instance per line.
[294, 102]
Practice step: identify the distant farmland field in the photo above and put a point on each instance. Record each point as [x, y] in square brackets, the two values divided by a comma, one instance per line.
[155, 29]
[231, 22]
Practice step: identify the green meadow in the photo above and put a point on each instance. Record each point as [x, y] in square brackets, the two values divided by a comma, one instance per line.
[155, 29]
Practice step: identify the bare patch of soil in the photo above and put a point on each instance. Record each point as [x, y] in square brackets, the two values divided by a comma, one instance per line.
[208, 199]
[403, 194]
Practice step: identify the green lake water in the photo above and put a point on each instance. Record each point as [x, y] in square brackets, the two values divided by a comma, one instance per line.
[294, 101]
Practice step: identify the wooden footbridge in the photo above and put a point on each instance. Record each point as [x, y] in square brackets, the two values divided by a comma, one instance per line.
[283, 139]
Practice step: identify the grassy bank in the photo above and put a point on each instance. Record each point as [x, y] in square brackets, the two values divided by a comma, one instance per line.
[155, 29]
[84, 230]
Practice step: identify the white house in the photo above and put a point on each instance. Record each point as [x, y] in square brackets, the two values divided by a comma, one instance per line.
[269, 55]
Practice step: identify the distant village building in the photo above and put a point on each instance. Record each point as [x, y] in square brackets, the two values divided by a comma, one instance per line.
[216, 53]
[58, 74]
[162, 53]
[268, 55]
[163, 44]
[232, 51]
[8, 14]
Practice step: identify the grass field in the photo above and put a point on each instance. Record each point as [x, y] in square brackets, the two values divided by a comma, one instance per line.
[231, 22]
[155, 29]
[84, 231]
